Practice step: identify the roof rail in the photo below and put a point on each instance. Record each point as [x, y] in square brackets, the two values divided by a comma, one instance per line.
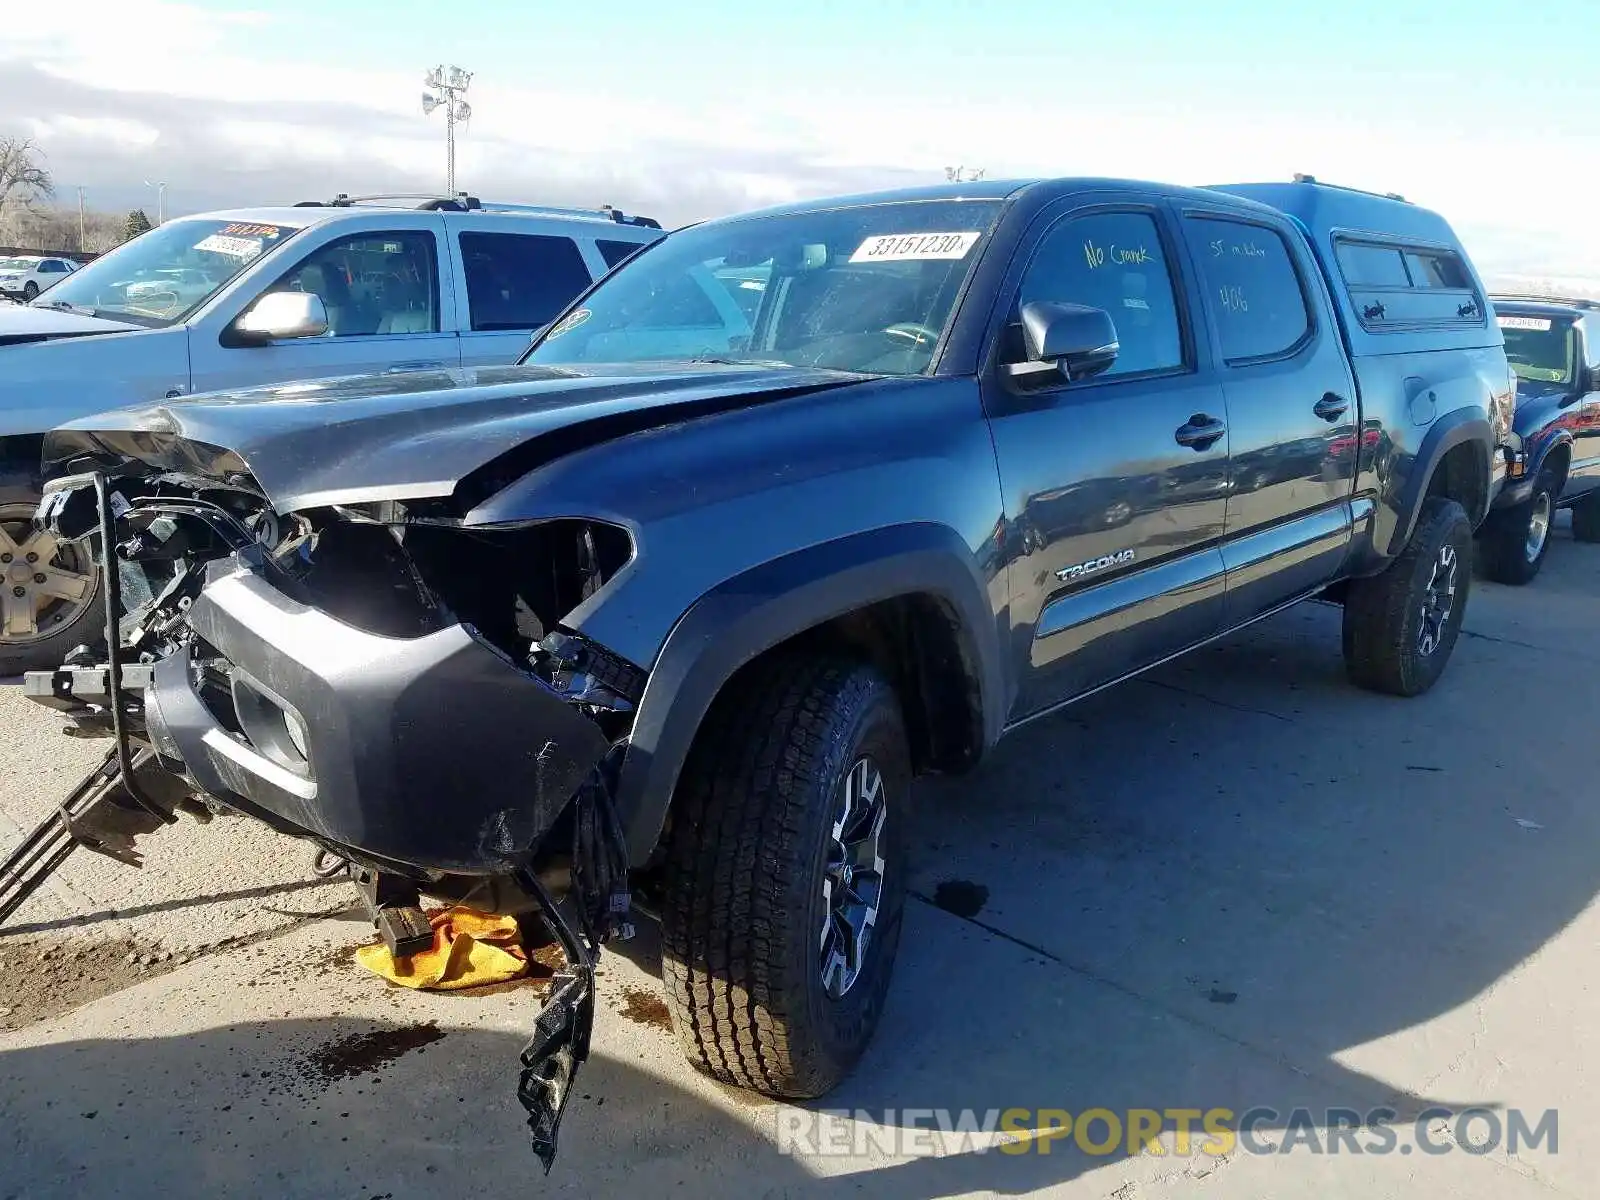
[462, 202]
[1583, 302]
[604, 212]
[1299, 178]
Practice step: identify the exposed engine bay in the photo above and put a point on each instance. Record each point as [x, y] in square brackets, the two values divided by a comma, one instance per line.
[375, 678]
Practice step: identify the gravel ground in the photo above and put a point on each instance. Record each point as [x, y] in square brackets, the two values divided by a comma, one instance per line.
[1236, 883]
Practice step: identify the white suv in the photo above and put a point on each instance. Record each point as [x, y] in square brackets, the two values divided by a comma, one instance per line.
[27, 275]
[260, 296]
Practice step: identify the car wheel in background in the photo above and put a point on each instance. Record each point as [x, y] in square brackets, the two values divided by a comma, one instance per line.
[50, 595]
[1514, 541]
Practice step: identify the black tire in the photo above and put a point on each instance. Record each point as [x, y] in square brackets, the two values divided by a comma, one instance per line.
[30, 290]
[1384, 650]
[1586, 520]
[1514, 541]
[43, 653]
[743, 907]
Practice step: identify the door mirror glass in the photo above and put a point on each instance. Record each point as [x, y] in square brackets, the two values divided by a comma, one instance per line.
[1071, 340]
[279, 316]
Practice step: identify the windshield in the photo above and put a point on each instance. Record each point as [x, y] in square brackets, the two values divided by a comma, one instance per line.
[867, 289]
[1540, 348]
[162, 276]
[15, 264]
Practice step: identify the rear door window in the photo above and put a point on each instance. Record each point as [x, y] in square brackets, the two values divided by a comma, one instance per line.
[1252, 288]
[520, 280]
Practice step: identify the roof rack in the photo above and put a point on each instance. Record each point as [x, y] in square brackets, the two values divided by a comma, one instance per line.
[462, 202]
[1583, 302]
[1299, 178]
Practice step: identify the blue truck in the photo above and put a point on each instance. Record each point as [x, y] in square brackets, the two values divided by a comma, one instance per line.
[670, 613]
[1553, 344]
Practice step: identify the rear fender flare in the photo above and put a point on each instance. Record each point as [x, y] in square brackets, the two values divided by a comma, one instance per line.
[1463, 426]
[746, 616]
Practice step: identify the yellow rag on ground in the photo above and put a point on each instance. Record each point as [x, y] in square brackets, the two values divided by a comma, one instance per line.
[470, 949]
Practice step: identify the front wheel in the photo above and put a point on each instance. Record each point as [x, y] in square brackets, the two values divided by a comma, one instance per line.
[1401, 626]
[30, 290]
[1515, 541]
[50, 595]
[785, 876]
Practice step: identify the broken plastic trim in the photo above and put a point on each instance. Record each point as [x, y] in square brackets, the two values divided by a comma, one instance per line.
[110, 573]
[561, 1033]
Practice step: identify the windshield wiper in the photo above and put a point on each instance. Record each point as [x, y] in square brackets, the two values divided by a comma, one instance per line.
[739, 362]
[83, 310]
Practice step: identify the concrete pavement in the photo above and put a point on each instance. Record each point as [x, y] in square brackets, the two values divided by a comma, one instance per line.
[1237, 883]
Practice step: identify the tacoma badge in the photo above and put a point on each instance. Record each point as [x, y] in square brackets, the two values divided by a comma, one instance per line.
[1095, 564]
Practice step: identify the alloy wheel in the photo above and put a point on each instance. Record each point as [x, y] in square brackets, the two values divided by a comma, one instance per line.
[852, 882]
[1438, 600]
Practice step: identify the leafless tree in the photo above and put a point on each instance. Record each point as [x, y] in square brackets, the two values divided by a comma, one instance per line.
[23, 178]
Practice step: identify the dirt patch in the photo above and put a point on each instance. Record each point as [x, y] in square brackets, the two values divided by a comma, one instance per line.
[40, 979]
[364, 1053]
[960, 897]
[645, 1007]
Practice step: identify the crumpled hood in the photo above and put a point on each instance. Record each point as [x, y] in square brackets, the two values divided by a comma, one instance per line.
[32, 323]
[412, 435]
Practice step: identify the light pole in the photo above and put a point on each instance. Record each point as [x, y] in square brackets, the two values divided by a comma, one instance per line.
[80, 221]
[161, 201]
[446, 87]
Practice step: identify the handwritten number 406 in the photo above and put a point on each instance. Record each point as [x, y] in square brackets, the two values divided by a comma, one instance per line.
[1233, 299]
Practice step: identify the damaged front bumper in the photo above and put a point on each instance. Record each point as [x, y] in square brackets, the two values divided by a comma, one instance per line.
[436, 760]
[435, 755]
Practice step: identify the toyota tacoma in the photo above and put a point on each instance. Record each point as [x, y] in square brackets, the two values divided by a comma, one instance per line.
[791, 508]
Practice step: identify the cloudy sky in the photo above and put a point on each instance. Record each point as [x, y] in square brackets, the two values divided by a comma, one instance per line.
[1481, 109]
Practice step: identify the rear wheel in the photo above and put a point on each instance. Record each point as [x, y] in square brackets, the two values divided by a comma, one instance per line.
[1515, 541]
[1401, 626]
[1586, 520]
[50, 595]
[785, 878]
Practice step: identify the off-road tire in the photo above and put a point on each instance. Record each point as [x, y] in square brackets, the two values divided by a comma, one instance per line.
[1503, 540]
[49, 652]
[1586, 520]
[1383, 613]
[742, 902]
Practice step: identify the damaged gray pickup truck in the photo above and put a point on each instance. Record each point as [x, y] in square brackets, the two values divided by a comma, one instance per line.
[789, 509]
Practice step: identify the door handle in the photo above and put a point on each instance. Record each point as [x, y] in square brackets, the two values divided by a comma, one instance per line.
[1331, 407]
[1200, 431]
[429, 365]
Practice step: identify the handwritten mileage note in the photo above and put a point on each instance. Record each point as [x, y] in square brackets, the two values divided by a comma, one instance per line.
[1222, 248]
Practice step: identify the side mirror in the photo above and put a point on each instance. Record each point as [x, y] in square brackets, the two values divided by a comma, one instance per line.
[1072, 341]
[279, 316]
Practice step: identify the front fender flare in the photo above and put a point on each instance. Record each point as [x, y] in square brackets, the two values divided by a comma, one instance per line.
[751, 613]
